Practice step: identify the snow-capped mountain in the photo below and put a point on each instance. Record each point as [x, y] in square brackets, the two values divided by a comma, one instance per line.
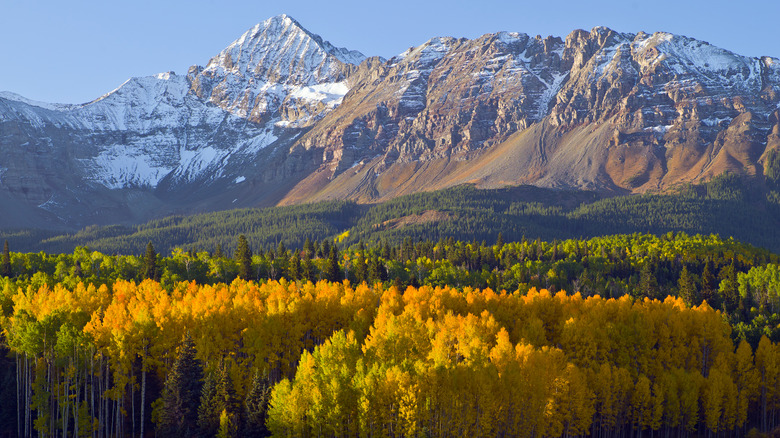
[281, 115]
[277, 67]
[168, 136]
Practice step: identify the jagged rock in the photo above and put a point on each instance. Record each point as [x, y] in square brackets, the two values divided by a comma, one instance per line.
[282, 116]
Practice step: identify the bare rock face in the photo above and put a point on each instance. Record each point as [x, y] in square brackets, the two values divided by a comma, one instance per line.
[282, 116]
[602, 110]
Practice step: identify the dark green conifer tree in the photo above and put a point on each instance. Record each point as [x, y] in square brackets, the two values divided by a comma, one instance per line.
[293, 267]
[332, 270]
[6, 261]
[687, 288]
[709, 286]
[307, 268]
[500, 240]
[181, 394]
[244, 258]
[217, 396]
[150, 262]
[729, 287]
[376, 271]
[648, 283]
[360, 269]
[308, 248]
[208, 423]
[256, 407]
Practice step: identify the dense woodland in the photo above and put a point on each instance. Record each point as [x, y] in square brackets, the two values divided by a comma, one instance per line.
[728, 205]
[612, 336]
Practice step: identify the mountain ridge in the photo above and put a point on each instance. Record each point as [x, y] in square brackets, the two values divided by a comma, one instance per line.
[281, 116]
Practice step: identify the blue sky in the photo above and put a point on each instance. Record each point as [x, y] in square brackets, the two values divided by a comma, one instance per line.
[74, 51]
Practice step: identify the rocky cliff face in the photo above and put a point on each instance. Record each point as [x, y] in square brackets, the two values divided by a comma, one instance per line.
[281, 115]
[600, 110]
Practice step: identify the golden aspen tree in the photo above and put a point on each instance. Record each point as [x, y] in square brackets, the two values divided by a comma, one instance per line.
[768, 367]
[747, 380]
[641, 405]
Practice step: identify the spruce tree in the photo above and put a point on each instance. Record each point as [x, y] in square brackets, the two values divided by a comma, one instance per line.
[729, 287]
[308, 248]
[6, 261]
[709, 286]
[361, 268]
[244, 258]
[307, 268]
[217, 397]
[687, 288]
[208, 424]
[294, 267]
[181, 394]
[150, 262]
[648, 283]
[256, 407]
[332, 270]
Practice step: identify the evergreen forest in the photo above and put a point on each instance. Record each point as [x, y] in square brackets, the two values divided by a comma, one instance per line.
[729, 206]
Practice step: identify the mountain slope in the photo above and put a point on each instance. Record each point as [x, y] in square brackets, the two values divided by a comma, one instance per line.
[600, 110]
[162, 144]
[282, 116]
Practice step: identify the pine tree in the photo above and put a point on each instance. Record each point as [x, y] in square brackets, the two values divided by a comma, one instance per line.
[307, 268]
[729, 287]
[181, 394]
[500, 241]
[217, 397]
[687, 288]
[256, 407]
[244, 258]
[150, 262]
[294, 267]
[332, 271]
[208, 424]
[376, 271]
[308, 248]
[361, 269]
[6, 261]
[709, 286]
[648, 284]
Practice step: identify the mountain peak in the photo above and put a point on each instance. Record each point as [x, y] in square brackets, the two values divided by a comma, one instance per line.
[281, 50]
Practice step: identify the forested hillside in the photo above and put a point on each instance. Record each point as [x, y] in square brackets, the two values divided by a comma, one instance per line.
[729, 206]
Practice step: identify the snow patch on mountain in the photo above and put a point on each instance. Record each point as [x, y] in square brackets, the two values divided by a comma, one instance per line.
[120, 166]
[429, 53]
[49, 106]
[549, 93]
[710, 64]
[329, 93]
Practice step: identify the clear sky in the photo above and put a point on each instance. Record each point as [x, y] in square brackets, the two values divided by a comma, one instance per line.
[74, 51]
